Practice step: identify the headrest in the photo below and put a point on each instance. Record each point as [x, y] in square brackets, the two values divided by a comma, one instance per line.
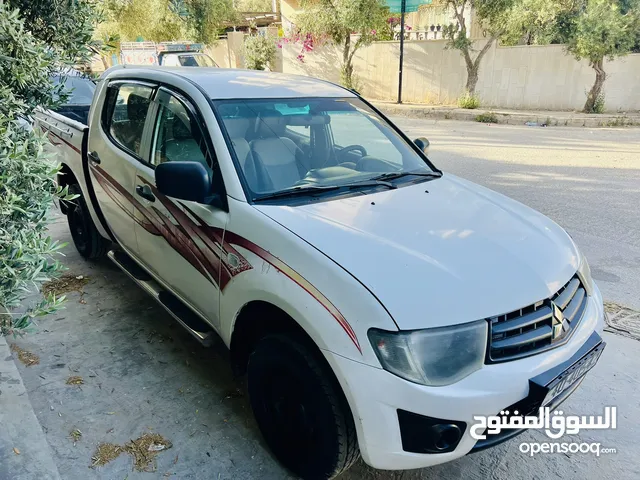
[181, 127]
[270, 124]
[137, 107]
[237, 127]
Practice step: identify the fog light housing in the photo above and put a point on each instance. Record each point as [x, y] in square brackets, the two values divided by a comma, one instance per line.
[422, 434]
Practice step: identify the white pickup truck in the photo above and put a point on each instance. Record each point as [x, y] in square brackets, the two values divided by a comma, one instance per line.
[376, 303]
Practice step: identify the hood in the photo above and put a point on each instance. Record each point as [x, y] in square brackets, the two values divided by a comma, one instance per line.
[441, 252]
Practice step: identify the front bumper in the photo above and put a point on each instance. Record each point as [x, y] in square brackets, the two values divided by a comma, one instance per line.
[375, 396]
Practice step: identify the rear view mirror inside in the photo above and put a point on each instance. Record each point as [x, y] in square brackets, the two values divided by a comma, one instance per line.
[307, 120]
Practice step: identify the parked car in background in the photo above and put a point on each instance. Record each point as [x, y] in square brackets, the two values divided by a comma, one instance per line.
[168, 54]
[376, 303]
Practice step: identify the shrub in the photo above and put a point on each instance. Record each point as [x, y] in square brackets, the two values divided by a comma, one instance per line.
[598, 105]
[468, 100]
[27, 185]
[487, 117]
[259, 52]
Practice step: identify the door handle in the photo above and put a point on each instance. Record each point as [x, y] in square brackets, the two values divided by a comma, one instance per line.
[94, 157]
[145, 192]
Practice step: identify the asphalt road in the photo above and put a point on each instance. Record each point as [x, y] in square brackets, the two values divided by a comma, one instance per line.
[587, 180]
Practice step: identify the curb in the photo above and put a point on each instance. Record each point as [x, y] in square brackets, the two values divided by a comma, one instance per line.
[510, 117]
[20, 428]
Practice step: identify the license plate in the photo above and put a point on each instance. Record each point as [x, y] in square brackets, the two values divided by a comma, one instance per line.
[573, 374]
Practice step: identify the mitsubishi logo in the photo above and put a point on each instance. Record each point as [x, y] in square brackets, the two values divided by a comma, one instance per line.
[558, 323]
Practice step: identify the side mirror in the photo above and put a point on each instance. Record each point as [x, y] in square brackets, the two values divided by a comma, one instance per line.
[423, 144]
[184, 180]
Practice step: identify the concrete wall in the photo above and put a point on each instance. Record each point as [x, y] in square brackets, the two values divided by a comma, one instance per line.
[522, 77]
[227, 52]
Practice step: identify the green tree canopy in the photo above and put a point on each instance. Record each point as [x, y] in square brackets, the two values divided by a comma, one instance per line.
[602, 29]
[166, 20]
[593, 30]
[254, 5]
[153, 20]
[65, 25]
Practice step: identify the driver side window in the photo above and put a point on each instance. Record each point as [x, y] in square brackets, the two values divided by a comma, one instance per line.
[177, 136]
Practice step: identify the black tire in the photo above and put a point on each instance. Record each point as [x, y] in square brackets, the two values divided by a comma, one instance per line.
[300, 408]
[88, 241]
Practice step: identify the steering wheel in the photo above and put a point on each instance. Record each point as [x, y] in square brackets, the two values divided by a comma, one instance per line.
[351, 148]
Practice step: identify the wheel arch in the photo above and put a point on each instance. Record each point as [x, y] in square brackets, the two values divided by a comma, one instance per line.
[255, 320]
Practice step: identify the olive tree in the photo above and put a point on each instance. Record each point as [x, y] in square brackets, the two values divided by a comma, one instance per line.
[337, 20]
[593, 30]
[253, 5]
[27, 173]
[153, 20]
[66, 26]
[492, 15]
[166, 20]
[602, 29]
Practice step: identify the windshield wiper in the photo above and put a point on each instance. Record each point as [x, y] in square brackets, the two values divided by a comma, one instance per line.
[394, 175]
[368, 183]
[297, 191]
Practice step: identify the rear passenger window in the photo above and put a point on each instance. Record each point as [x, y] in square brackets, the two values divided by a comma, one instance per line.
[127, 115]
[177, 136]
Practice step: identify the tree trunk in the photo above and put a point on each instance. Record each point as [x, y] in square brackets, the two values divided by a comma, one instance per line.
[596, 89]
[347, 67]
[473, 67]
[472, 78]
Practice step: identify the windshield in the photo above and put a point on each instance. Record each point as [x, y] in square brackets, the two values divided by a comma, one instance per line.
[196, 60]
[79, 89]
[314, 142]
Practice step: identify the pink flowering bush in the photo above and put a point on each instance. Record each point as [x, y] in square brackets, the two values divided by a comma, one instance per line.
[307, 43]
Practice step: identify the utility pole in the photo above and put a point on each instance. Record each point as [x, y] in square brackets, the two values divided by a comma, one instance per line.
[403, 9]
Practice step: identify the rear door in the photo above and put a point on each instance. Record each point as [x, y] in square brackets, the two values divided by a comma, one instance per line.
[179, 240]
[115, 148]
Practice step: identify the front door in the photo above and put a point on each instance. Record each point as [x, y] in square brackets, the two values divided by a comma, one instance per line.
[115, 148]
[179, 240]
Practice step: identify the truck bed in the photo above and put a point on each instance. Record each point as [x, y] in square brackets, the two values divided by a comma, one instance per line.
[68, 142]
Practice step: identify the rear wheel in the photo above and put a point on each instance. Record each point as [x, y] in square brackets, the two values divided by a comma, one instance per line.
[300, 409]
[88, 241]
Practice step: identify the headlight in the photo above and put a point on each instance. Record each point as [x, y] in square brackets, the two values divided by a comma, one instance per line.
[434, 356]
[584, 272]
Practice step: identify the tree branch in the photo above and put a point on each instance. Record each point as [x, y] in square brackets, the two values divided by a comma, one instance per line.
[486, 47]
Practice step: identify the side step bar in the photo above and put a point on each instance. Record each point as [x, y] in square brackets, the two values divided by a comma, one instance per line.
[172, 304]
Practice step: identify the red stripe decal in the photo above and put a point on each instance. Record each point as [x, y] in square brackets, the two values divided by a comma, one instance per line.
[52, 135]
[297, 278]
[212, 261]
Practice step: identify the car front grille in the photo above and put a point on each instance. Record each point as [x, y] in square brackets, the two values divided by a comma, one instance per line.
[538, 327]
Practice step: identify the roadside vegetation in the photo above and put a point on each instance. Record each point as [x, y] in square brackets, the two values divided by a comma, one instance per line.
[469, 101]
[37, 39]
[259, 52]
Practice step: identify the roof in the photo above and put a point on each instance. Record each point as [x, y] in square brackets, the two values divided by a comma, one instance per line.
[227, 83]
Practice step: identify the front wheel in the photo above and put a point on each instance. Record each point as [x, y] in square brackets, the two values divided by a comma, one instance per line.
[88, 241]
[300, 409]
